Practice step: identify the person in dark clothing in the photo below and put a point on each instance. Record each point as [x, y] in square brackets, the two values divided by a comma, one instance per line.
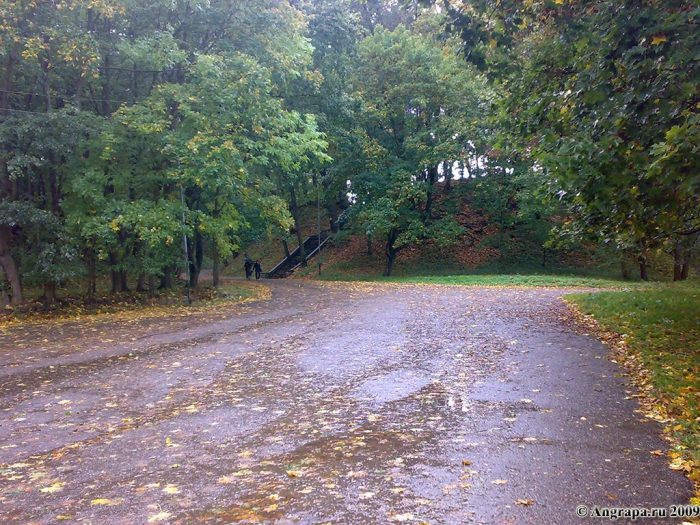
[248, 265]
[258, 270]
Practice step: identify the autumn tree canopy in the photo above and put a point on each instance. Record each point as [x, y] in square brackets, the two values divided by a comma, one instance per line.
[130, 126]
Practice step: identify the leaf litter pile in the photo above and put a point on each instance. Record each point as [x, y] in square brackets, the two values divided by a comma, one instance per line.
[332, 403]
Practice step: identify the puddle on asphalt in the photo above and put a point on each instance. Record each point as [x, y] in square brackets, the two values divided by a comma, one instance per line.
[391, 387]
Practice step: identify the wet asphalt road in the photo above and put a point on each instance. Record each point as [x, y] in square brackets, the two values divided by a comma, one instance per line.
[328, 404]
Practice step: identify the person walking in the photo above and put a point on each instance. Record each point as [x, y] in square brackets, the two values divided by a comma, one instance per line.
[258, 270]
[248, 266]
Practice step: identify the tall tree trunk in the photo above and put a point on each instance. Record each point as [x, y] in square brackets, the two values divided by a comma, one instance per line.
[106, 83]
[7, 81]
[448, 176]
[166, 279]
[390, 258]
[50, 291]
[123, 282]
[334, 212]
[688, 245]
[215, 270]
[369, 246]
[7, 191]
[297, 225]
[78, 97]
[196, 256]
[116, 283]
[685, 272]
[677, 262]
[10, 267]
[391, 251]
[643, 268]
[45, 63]
[92, 275]
[432, 177]
[141, 283]
[625, 269]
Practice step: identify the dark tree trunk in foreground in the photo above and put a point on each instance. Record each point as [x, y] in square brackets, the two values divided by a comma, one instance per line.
[333, 212]
[116, 283]
[215, 270]
[50, 291]
[643, 268]
[624, 268]
[196, 251]
[141, 284]
[391, 251]
[684, 256]
[432, 178]
[685, 272]
[297, 225]
[390, 258]
[92, 275]
[677, 262]
[10, 267]
[166, 279]
[123, 284]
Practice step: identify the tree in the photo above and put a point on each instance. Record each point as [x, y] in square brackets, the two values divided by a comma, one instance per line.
[602, 96]
[418, 118]
[114, 113]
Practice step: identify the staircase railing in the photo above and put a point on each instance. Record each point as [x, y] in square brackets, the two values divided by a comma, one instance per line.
[287, 265]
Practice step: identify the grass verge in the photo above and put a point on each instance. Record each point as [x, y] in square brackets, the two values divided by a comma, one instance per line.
[655, 333]
[573, 281]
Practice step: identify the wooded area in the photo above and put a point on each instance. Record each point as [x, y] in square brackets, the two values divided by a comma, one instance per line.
[129, 126]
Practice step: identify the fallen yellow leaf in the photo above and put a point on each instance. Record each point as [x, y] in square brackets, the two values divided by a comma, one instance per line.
[105, 501]
[158, 517]
[56, 487]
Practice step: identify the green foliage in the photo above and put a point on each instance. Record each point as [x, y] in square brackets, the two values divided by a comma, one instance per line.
[120, 118]
[603, 97]
[51, 253]
[419, 113]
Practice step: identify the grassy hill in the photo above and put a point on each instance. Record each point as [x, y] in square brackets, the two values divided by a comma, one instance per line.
[482, 249]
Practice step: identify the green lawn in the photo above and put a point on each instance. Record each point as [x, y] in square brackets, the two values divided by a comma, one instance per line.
[492, 280]
[662, 326]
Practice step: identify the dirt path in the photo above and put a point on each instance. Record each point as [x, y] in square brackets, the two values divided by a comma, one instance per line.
[329, 404]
